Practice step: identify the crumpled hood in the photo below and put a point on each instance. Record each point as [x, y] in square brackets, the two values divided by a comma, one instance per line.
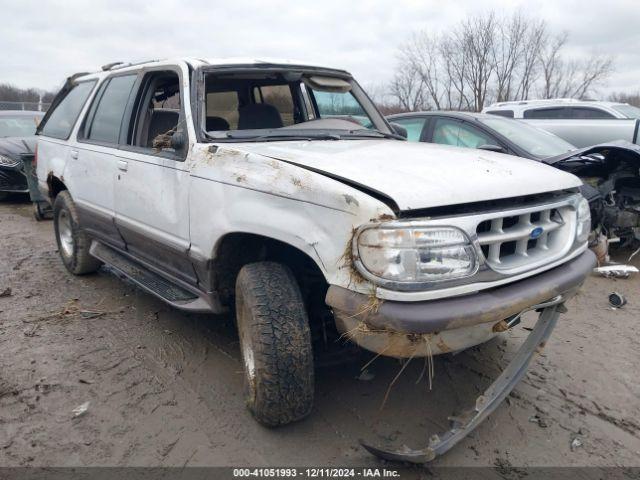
[419, 175]
[14, 147]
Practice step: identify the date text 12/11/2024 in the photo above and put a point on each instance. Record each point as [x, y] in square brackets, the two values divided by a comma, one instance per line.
[315, 472]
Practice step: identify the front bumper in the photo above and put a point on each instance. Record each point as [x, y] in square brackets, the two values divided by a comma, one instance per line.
[489, 306]
[13, 180]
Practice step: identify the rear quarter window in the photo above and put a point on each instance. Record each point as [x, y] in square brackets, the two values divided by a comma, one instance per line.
[547, 113]
[108, 115]
[62, 119]
[588, 112]
[501, 113]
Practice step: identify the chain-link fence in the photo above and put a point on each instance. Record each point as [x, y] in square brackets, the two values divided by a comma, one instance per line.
[37, 106]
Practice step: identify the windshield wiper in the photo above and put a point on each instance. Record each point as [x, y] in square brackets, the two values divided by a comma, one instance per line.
[273, 137]
[289, 136]
[370, 132]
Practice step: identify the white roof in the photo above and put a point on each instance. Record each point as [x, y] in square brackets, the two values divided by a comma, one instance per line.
[552, 101]
[199, 62]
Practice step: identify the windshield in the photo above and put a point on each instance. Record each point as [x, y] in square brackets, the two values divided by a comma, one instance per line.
[18, 126]
[628, 111]
[282, 105]
[536, 142]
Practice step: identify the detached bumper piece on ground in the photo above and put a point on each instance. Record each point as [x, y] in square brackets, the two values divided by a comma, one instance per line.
[486, 403]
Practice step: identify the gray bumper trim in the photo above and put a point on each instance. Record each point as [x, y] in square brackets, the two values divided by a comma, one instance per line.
[445, 314]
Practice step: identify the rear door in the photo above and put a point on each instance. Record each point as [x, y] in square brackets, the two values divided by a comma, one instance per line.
[95, 154]
[152, 180]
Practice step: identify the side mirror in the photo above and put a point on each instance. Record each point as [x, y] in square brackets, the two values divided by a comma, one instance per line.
[492, 148]
[399, 129]
[178, 141]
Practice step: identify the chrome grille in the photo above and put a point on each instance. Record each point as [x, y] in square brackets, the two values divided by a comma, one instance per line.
[510, 242]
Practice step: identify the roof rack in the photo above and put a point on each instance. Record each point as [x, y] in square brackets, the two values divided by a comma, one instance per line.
[119, 65]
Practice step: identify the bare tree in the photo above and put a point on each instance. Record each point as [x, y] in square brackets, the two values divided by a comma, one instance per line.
[508, 54]
[476, 38]
[532, 44]
[407, 88]
[623, 97]
[575, 78]
[552, 65]
[488, 58]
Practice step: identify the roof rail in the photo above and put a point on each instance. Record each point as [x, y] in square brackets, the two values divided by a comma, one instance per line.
[109, 66]
[119, 65]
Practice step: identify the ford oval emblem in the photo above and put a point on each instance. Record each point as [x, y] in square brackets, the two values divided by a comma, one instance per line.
[536, 233]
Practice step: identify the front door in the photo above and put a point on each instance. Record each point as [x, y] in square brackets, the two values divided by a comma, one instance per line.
[152, 181]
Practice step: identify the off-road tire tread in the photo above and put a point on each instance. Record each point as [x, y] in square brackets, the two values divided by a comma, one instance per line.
[81, 262]
[281, 339]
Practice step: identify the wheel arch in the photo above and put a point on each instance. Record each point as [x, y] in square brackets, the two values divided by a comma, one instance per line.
[237, 249]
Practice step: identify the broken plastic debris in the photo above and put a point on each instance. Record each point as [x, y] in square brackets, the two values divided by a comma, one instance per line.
[616, 271]
[576, 443]
[80, 410]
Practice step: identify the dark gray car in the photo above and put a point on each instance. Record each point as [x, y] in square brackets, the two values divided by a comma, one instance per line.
[610, 171]
[17, 129]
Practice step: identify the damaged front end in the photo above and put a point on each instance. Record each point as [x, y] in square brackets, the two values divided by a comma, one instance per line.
[611, 176]
[424, 328]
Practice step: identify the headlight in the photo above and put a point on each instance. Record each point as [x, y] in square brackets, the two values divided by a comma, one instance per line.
[8, 162]
[584, 221]
[415, 255]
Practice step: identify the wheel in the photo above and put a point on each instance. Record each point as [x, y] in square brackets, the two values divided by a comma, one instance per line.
[73, 243]
[3, 195]
[275, 342]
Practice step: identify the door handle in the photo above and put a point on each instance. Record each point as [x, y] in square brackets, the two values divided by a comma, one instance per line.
[74, 154]
[122, 165]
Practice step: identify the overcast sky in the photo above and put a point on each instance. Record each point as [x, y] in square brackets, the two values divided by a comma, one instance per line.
[45, 41]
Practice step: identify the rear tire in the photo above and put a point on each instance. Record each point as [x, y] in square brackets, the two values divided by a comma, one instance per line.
[276, 344]
[73, 243]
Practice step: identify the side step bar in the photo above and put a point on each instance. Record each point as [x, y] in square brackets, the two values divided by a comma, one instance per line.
[172, 293]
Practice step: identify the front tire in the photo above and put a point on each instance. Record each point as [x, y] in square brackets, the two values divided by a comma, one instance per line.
[275, 342]
[73, 243]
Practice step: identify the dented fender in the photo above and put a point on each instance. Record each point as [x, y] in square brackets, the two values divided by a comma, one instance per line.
[233, 191]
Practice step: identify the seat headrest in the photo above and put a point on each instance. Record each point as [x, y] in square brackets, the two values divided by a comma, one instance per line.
[258, 115]
[216, 123]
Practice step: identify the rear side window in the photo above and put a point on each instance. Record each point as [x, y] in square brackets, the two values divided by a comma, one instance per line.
[547, 113]
[459, 134]
[502, 113]
[106, 120]
[586, 112]
[62, 119]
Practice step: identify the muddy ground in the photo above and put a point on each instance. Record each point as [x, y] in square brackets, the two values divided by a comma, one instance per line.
[165, 388]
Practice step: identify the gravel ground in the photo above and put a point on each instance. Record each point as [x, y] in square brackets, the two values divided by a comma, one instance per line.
[164, 388]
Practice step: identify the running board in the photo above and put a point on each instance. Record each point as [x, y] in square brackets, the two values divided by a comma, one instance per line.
[157, 285]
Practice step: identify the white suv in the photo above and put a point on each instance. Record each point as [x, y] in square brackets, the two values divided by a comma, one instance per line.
[277, 190]
[563, 108]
